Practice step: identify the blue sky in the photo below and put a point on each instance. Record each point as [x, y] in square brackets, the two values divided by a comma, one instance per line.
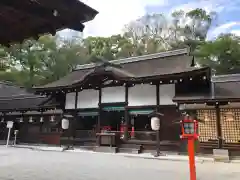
[114, 14]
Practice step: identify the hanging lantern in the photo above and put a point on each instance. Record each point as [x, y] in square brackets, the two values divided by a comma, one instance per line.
[9, 124]
[30, 119]
[21, 119]
[2, 120]
[55, 13]
[155, 123]
[52, 118]
[41, 119]
[65, 123]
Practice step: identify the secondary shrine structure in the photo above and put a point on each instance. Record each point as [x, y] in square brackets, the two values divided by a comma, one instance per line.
[25, 19]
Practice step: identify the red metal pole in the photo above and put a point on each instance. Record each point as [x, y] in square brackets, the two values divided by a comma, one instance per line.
[191, 158]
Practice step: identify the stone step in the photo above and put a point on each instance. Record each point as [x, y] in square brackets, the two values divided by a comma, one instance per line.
[133, 146]
[129, 150]
[106, 149]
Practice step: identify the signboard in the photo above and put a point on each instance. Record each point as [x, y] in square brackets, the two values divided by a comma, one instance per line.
[9, 124]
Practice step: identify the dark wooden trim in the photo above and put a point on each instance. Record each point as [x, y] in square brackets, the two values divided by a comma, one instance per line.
[126, 116]
[99, 115]
[141, 107]
[112, 104]
[221, 101]
[76, 99]
[87, 109]
[167, 106]
[100, 110]
[218, 124]
[157, 95]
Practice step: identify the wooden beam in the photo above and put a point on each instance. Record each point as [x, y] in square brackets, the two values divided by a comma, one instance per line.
[46, 14]
[218, 125]
[78, 9]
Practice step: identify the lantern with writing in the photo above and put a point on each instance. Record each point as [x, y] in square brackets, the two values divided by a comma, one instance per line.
[189, 127]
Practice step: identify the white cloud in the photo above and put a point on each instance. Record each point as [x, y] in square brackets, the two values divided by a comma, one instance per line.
[236, 32]
[114, 14]
[209, 6]
[223, 28]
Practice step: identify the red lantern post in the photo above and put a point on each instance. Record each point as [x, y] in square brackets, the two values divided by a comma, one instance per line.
[190, 132]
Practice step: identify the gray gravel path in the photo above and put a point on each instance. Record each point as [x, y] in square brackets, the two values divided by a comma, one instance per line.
[24, 164]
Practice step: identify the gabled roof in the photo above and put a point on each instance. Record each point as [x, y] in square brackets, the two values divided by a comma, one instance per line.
[13, 98]
[21, 19]
[158, 64]
[9, 90]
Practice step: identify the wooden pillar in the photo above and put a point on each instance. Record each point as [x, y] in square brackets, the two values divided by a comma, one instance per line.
[126, 116]
[99, 110]
[157, 108]
[98, 128]
[157, 96]
[218, 124]
[75, 116]
[76, 100]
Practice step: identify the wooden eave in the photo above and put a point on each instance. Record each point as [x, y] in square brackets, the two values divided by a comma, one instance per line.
[90, 83]
[31, 18]
[207, 100]
[175, 76]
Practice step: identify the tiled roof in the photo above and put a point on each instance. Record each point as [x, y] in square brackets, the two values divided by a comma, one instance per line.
[16, 98]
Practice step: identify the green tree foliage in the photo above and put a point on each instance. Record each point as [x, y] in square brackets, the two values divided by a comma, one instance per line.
[221, 54]
[37, 62]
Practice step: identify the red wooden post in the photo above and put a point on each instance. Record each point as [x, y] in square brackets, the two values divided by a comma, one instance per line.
[190, 132]
[191, 155]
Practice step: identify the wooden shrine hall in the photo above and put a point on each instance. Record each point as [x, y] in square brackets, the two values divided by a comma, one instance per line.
[110, 96]
[117, 97]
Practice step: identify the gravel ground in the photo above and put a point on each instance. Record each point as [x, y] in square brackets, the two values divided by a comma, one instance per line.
[25, 164]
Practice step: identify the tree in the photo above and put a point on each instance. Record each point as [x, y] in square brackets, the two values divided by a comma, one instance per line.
[148, 34]
[222, 54]
[156, 33]
[191, 28]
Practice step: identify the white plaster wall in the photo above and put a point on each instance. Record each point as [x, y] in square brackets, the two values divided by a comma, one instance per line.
[70, 101]
[88, 98]
[142, 95]
[113, 94]
[167, 92]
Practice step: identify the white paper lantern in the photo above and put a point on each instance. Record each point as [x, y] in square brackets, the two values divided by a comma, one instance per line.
[52, 118]
[41, 119]
[65, 123]
[15, 132]
[155, 123]
[30, 119]
[9, 124]
[21, 119]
